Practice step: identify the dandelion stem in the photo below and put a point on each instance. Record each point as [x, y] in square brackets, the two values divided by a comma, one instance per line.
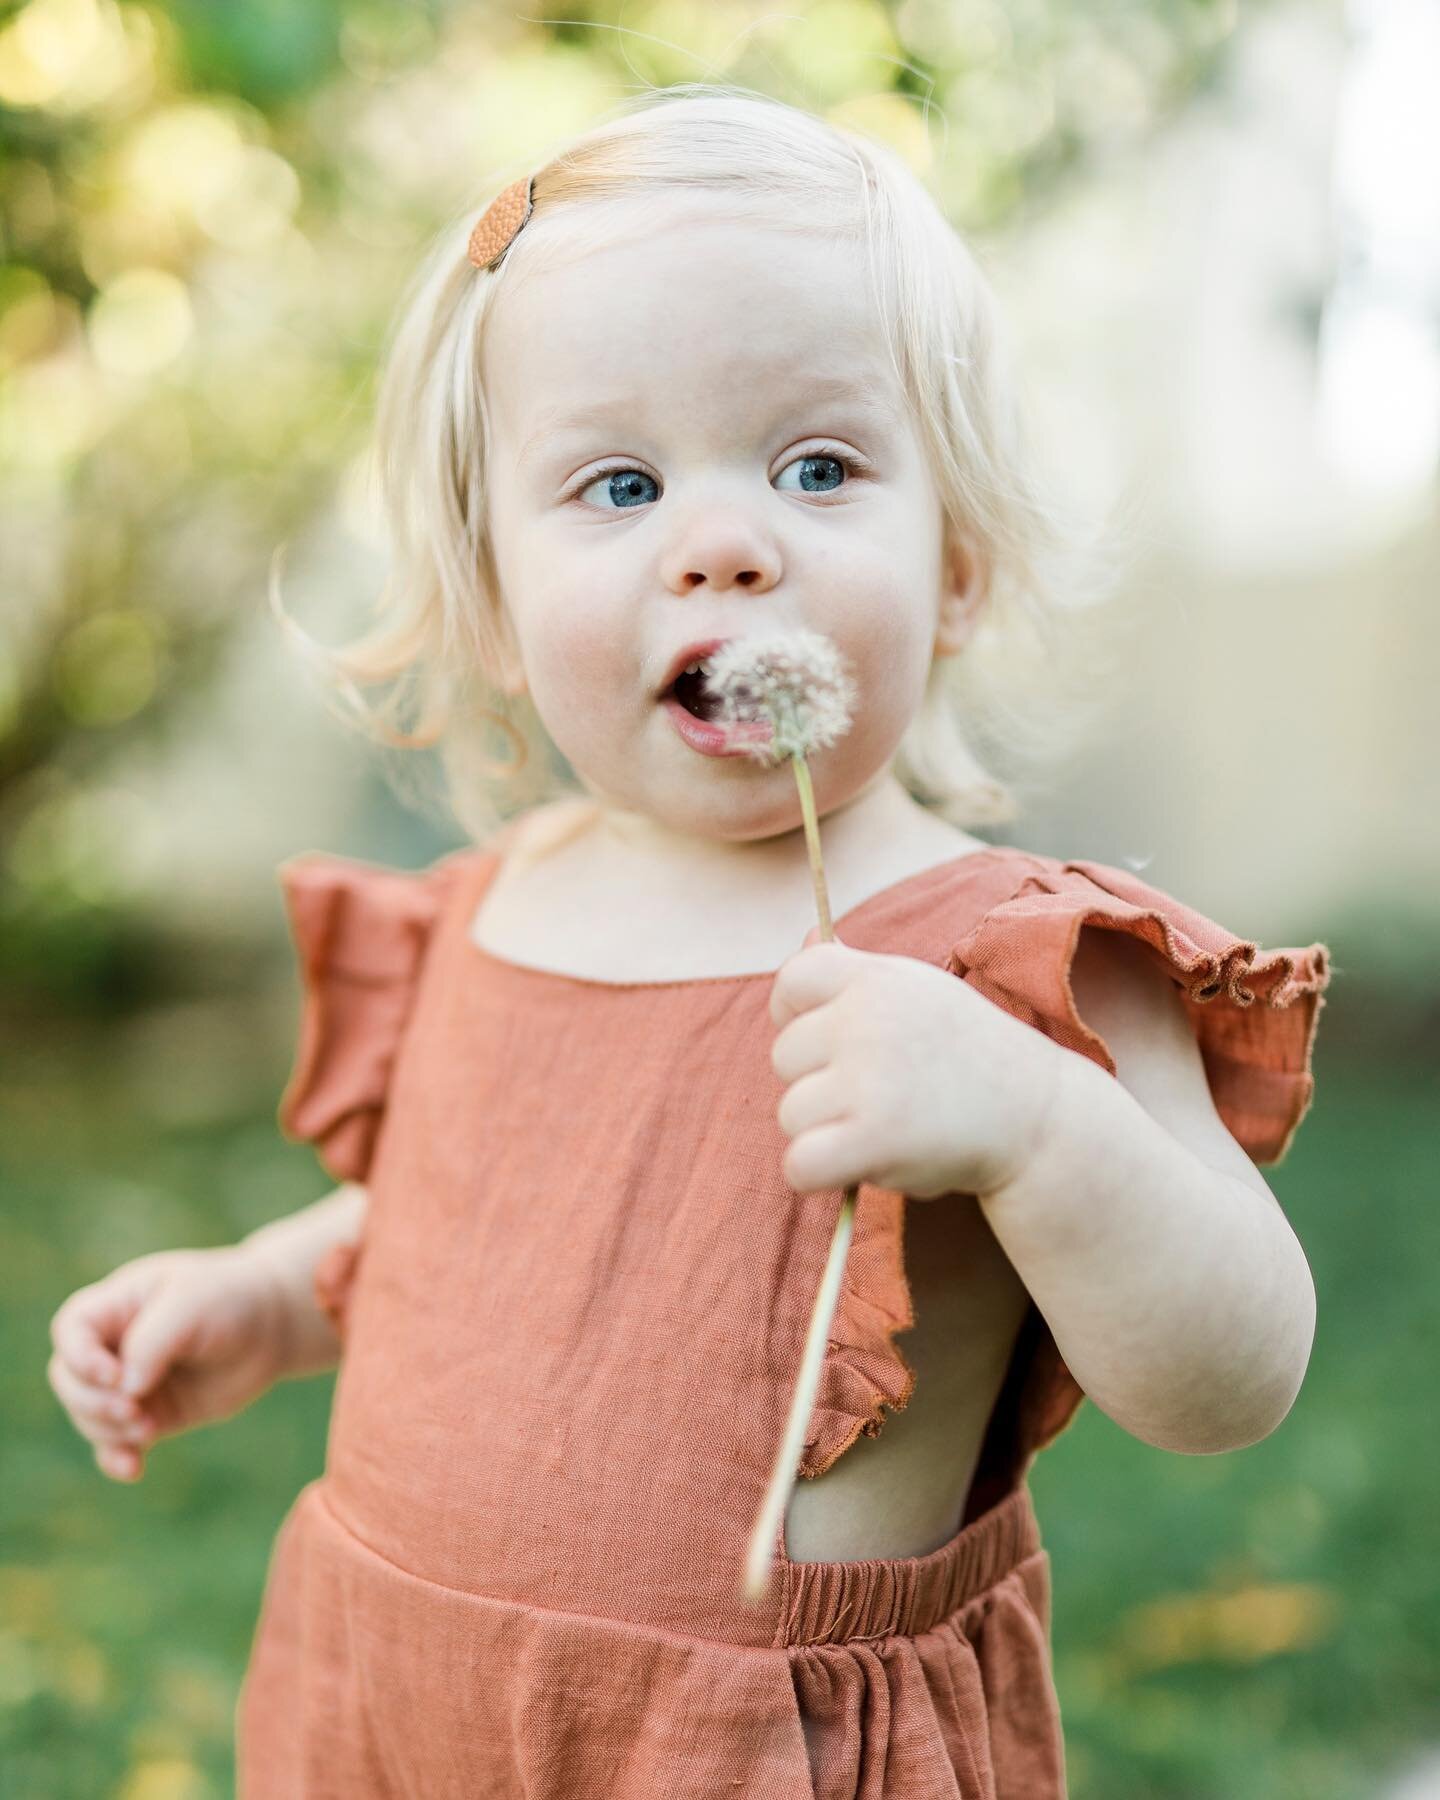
[807, 1383]
[798, 682]
[812, 844]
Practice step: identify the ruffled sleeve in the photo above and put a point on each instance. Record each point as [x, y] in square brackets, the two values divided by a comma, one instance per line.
[1254, 1015]
[361, 934]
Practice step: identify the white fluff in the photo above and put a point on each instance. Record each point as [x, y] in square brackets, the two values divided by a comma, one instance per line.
[795, 680]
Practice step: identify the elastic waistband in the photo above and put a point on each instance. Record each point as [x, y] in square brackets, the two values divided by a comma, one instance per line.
[842, 1602]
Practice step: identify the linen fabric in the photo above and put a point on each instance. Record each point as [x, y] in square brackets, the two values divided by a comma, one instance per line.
[571, 1331]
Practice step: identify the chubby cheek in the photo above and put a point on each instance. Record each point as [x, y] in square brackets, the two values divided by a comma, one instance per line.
[582, 665]
[888, 640]
[570, 625]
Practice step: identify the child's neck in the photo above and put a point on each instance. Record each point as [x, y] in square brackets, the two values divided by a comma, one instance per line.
[854, 828]
[607, 896]
[882, 817]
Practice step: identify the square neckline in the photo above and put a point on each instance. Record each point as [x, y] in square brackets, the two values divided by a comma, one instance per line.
[533, 973]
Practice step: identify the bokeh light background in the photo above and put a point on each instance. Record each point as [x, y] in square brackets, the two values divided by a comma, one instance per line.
[1216, 231]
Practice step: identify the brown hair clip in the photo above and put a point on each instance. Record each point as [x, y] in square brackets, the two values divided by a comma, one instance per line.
[500, 222]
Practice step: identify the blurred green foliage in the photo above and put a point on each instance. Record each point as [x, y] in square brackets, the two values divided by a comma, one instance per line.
[1264, 1625]
[207, 213]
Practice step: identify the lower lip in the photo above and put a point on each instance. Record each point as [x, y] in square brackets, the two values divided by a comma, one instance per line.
[711, 739]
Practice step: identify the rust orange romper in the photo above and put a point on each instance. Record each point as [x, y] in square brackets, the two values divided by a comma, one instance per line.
[571, 1333]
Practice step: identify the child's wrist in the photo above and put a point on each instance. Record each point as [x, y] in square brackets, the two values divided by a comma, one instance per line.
[1073, 1089]
[304, 1340]
[287, 1252]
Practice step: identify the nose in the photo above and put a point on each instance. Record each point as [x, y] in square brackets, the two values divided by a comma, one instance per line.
[721, 550]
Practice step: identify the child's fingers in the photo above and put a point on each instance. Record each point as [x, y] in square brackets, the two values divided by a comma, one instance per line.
[75, 1335]
[82, 1399]
[159, 1336]
[96, 1413]
[88, 1326]
[804, 1045]
[120, 1462]
[814, 974]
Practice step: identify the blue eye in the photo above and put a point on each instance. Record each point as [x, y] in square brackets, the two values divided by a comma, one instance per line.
[624, 486]
[810, 481]
[821, 472]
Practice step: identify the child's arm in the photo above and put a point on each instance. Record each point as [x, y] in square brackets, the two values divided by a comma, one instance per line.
[1175, 1289]
[292, 1248]
[196, 1335]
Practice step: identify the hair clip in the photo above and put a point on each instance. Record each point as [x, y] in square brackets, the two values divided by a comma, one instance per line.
[498, 224]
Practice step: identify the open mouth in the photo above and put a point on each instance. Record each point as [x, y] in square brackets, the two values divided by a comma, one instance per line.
[691, 690]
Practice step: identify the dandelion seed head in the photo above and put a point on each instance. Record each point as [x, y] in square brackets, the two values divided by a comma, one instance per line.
[794, 680]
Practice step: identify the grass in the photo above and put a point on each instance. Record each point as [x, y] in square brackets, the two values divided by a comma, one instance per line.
[1266, 1624]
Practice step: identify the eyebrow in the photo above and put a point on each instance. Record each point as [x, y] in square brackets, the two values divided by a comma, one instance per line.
[865, 396]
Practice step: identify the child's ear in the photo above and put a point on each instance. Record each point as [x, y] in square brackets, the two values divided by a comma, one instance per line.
[963, 585]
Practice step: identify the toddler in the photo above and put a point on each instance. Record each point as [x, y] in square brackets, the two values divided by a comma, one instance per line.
[591, 1090]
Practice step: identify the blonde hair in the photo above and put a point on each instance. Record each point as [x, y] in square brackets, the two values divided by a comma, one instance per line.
[1025, 683]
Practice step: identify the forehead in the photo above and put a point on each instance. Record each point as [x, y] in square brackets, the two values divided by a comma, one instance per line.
[699, 301]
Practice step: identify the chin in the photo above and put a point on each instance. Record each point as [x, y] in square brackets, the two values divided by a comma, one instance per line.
[732, 813]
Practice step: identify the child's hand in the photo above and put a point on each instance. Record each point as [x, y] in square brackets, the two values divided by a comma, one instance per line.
[169, 1341]
[901, 1076]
